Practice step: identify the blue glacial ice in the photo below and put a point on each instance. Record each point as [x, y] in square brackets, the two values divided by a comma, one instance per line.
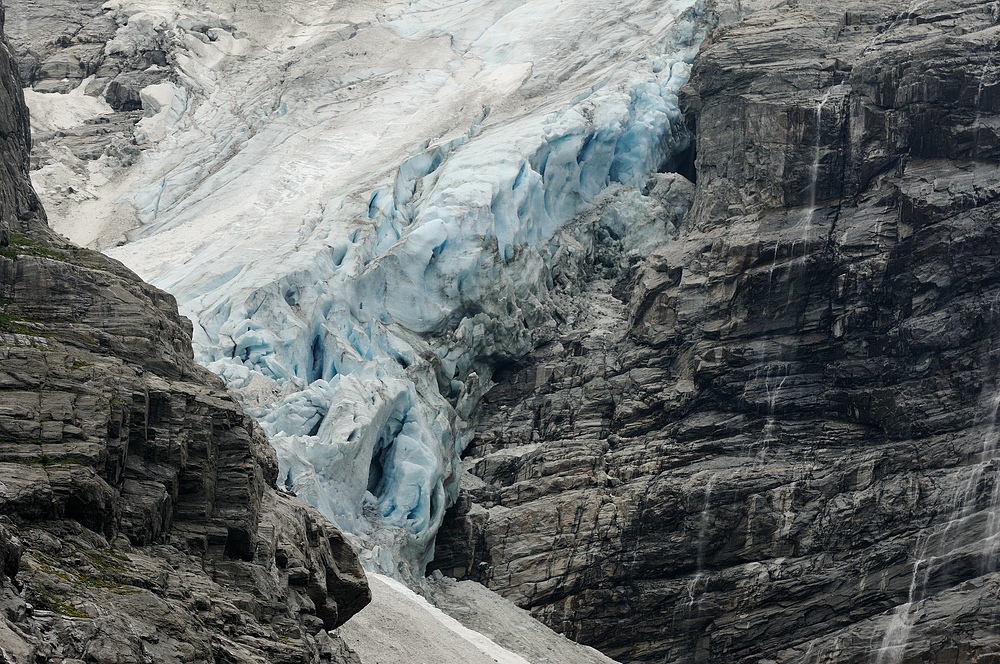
[362, 226]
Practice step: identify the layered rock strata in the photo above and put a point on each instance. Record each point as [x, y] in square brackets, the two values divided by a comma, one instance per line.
[776, 440]
[138, 515]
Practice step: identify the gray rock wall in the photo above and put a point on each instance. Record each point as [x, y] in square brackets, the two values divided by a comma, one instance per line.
[138, 515]
[17, 200]
[781, 445]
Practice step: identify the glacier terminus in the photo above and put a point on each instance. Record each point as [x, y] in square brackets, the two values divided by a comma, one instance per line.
[361, 205]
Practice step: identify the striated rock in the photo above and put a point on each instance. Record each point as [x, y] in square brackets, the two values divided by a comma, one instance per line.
[780, 444]
[138, 515]
[17, 198]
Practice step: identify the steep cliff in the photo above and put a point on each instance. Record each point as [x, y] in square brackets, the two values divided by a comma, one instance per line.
[776, 440]
[138, 518]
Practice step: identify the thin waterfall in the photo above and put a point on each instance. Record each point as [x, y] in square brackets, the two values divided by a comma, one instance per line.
[773, 384]
[934, 552]
[977, 120]
[966, 528]
[698, 581]
[814, 172]
[805, 222]
[988, 463]
[897, 632]
[955, 534]
[702, 535]
[775, 373]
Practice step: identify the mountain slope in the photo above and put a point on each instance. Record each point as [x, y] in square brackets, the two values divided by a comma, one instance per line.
[138, 515]
[360, 205]
[780, 443]
[760, 430]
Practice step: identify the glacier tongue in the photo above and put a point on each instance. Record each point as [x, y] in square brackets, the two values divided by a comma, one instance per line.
[360, 206]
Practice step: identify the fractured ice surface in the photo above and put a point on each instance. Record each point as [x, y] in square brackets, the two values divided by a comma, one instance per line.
[359, 205]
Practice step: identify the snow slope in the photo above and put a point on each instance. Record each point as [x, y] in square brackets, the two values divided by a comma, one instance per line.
[424, 634]
[360, 205]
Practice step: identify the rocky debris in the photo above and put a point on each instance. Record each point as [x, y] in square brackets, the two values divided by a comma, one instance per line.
[99, 603]
[61, 46]
[781, 447]
[138, 515]
[60, 43]
[95, 138]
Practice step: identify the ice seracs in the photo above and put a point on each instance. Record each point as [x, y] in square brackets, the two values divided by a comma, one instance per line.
[359, 206]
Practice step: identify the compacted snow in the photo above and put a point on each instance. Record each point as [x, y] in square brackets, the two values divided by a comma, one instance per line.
[359, 205]
[489, 629]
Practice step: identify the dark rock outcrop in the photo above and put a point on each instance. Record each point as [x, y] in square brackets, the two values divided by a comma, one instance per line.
[138, 515]
[781, 444]
[17, 198]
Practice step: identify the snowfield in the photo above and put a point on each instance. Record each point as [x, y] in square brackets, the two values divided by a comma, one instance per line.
[360, 205]
[485, 629]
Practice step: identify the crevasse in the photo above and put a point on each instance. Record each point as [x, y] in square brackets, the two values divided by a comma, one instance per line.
[359, 315]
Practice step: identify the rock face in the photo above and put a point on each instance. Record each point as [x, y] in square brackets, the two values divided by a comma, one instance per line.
[776, 441]
[62, 43]
[138, 518]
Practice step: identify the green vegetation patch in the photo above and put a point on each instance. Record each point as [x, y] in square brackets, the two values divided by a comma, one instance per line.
[104, 563]
[22, 245]
[46, 459]
[11, 326]
[21, 441]
[9, 323]
[48, 601]
[43, 459]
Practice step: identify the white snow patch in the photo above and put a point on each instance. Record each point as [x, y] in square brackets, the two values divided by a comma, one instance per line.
[53, 111]
[401, 626]
[164, 105]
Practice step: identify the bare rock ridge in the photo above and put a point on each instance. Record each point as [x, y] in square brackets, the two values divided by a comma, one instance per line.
[138, 516]
[777, 440]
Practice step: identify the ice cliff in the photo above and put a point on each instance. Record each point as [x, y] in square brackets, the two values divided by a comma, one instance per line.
[361, 207]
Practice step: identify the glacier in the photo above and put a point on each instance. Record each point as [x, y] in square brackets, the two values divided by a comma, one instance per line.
[361, 207]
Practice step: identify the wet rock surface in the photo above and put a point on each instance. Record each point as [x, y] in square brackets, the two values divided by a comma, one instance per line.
[138, 515]
[775, 441]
